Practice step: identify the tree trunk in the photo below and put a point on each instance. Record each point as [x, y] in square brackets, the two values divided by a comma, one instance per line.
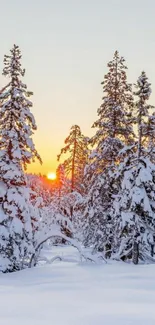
[152, 250]
[73, 166]
[140, 131]
[135, 252]
[71, 213]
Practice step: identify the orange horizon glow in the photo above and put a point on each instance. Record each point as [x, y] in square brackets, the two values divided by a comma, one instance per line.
[51, 176]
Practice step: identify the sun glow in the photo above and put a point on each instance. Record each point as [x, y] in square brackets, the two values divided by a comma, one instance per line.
[51, 176]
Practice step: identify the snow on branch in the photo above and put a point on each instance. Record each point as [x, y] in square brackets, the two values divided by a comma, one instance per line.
[73, 243]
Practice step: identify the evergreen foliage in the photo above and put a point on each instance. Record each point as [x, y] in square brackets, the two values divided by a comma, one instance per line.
[16, 151]
[135, 203]
[76, 146]
[114, 131]
[103, 196]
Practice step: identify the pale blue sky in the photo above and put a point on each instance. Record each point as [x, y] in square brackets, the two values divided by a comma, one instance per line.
[66, 45]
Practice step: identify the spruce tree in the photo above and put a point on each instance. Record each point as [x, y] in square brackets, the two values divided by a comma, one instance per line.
[76, 146]
[150, 134]
[60, 180]
[135, 204]
[114, 125]
[114, 131]
[16, 151]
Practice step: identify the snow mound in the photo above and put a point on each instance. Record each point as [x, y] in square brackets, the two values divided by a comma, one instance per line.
[76, 294]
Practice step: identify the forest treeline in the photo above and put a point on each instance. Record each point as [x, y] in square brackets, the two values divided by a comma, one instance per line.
[114, 170]
[104, 195]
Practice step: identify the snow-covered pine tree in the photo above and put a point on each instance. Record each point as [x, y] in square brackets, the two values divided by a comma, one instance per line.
[40, 189]
[76, 146]
[114, 124]
[149, 132]
[17, 149]
[61, 181]
[135, 204]
[114, 130]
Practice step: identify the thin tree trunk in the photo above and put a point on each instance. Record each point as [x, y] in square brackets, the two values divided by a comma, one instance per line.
[73, 165]
[135, 252]
[71, 213]
[139, 133]
[59, 191]
[116, 86]
[152, 250]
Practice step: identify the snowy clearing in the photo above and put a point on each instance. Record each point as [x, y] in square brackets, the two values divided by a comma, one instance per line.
[69, 293]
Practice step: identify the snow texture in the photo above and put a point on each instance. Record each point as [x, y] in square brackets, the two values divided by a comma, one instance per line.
[67, 293]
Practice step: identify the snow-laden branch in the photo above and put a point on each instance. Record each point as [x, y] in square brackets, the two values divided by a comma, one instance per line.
[72, 241]
[57, 257]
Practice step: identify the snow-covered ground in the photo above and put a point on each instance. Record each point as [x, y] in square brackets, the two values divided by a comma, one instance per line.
[68, 293]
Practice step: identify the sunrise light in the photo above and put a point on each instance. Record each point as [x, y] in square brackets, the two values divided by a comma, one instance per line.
[51, 176]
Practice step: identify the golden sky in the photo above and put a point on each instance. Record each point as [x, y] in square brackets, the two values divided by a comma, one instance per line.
[66, 46]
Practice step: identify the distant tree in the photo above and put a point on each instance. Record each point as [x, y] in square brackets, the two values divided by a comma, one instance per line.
[40, 190]
[150, 134]
[76, 147]
[143, 92]
[17, 149]
[61, 180]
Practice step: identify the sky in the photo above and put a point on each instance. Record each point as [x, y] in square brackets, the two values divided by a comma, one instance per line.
[66, 45]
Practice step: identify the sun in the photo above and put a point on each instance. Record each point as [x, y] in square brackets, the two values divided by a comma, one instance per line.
[51, 176]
